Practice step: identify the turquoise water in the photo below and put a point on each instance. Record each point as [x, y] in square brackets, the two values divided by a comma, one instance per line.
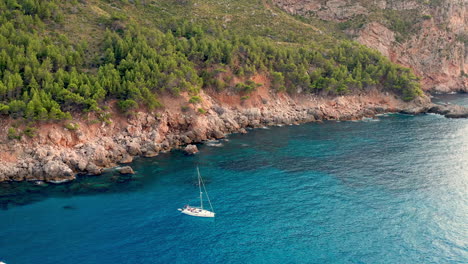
[390, 190]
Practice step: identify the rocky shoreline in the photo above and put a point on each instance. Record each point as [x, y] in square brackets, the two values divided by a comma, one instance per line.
[58, 154]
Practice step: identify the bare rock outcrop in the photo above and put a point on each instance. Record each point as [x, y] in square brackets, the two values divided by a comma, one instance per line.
[127, 158]
[191, 149]
[450, 111]
[58, 172]
[126, 170]
[379, 37]
[336, 10]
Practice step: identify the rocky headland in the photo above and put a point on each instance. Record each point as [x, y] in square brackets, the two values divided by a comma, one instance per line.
[58, 154]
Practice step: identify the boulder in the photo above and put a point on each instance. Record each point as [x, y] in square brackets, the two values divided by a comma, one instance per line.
[149, 149]
[93, 169]
[79, 163]
[126, 159]
[57, 172]
[126, 170]
[217, 134]
[414, 110]
[55, 136]
[134, 148]
[185, 139]
[190, 149]
[316, 113]
[150, 154]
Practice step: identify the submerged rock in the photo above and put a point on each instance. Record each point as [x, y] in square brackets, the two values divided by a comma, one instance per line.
[190, 149]
[126, 170]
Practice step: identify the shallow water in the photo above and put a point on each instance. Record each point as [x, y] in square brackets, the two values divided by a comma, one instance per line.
[389, 191]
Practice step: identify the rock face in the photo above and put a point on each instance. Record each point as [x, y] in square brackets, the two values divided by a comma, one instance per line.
[94, 147]
[437, 51]
[337, 10]
[57, 171]
[377, 36]
[190, 149]
[126, 159]
[450, 111]
[126, 170]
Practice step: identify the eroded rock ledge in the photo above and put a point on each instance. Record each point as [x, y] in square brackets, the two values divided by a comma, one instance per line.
[449, 111]
[58, 155]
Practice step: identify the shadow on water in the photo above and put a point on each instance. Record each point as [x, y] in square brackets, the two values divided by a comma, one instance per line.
[23, 193]
[148, 171]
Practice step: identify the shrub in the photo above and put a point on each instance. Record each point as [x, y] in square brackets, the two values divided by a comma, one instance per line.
[4, 109]
[13, 134]
[195, 99]
[30, 131]
[72, 126]
[127, 105]
[247, 87]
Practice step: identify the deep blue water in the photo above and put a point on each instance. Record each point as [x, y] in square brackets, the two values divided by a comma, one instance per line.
[390, 190]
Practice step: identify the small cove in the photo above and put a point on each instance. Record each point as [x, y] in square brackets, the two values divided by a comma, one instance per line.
[389, 191]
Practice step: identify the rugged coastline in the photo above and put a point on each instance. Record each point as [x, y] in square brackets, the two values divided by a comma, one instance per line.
[57, 154]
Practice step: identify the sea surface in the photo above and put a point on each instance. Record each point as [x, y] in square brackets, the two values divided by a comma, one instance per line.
[393, 189]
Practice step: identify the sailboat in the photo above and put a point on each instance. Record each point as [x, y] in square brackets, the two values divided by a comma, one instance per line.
[199, 211]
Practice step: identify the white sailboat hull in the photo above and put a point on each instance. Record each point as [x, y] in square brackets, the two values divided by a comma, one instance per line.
[195, 211]
[199, 211]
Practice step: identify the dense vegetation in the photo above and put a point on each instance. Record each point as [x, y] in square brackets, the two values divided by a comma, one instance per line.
[44, 75]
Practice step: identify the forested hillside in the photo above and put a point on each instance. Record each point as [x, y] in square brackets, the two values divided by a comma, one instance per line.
[58, 58]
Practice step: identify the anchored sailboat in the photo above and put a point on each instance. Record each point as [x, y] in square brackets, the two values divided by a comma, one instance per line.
[199, 211]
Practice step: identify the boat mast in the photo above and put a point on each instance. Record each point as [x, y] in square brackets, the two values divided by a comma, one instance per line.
[199, 186]
[207, 196]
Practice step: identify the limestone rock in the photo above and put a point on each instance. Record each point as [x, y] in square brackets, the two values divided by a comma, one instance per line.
[190, 149]
[57, 172]
[150, 154]
[126, 170]
[450, 111]
[134, 148]
[217, 134]
[126, 159]
[93, 169]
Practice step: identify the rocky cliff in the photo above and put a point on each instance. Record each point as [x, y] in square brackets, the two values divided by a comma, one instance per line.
[56, 154]
[430, 37]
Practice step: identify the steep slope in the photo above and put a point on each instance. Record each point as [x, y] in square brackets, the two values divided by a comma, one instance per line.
[430, 37]
[87, 84]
